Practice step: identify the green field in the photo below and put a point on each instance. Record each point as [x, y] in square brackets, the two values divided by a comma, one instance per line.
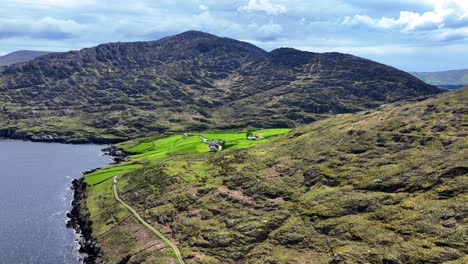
[109, 172]
[153, 148]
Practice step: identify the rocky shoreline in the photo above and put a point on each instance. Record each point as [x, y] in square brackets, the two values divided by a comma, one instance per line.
[118, 155]
[79, 221]
[78, 217]
[12, 133]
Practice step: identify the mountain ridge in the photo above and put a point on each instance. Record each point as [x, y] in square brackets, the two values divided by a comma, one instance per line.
[21, 56]
[452, 79]
[189, 81]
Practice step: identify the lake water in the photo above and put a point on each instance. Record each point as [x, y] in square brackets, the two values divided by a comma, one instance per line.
[35, 197]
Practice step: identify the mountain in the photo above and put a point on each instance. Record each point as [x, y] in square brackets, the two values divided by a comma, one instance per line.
[190, 81]
[20, 56]
[388, 185]
[445, 79]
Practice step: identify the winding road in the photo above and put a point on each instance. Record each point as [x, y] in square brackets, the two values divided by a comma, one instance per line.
[141, 220]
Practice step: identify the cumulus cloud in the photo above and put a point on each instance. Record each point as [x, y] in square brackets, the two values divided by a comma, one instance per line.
[55, 3]
[265, 32]
[399, 27]
[44, 28]
[364, 50]
[264, 6]
[445, 15]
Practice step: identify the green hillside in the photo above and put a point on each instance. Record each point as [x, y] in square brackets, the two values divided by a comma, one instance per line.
[151, 150]
[380, 186]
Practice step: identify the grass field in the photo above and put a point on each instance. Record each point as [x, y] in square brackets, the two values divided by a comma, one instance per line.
[177, 143]
[154, 148]
[109, 172]
[151, 149]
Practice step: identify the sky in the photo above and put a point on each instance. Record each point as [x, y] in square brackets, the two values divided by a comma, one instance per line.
[412, 35]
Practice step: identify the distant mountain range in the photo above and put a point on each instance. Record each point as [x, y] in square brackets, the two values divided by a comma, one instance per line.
[445, 79]
[190, 81]
[21, 56]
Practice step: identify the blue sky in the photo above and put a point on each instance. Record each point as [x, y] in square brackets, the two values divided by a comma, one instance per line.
[413, 35]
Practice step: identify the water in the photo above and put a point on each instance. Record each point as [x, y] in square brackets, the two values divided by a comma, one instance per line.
[35, 197]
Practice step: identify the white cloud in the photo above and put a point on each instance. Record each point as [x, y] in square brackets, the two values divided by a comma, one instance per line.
[264, 6]
[46, 27]
[57, 24]
[265, 31]
[445, 14]
[315, 24]
[359, 20]
[363, 50]
[55, 3]
[145, 28]
[451, 34]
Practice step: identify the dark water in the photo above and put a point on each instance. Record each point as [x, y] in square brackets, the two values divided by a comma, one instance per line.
[35, 196]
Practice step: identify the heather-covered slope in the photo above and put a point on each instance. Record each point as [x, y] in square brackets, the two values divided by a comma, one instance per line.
[293, 86]
[190, 81]
[382, 186]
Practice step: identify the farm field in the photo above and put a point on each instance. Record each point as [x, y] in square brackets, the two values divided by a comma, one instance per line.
[149, 150]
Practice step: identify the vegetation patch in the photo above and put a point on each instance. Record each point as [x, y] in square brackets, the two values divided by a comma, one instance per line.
[109, 172]
[381, 186]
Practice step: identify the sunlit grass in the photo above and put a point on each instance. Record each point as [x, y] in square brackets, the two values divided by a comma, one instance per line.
[109, 172]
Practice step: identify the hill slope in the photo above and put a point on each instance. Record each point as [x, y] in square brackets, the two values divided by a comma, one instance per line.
[445, 79]
[20, 56]
[381, 186]
[190, 81]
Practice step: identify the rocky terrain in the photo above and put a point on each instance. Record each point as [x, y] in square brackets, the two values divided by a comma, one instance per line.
[387, 185]
[78, 219]
[191, 81]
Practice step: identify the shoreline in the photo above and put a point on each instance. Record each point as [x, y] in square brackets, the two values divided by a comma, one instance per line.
[78, 217]
[12, 133]
[88, 248]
